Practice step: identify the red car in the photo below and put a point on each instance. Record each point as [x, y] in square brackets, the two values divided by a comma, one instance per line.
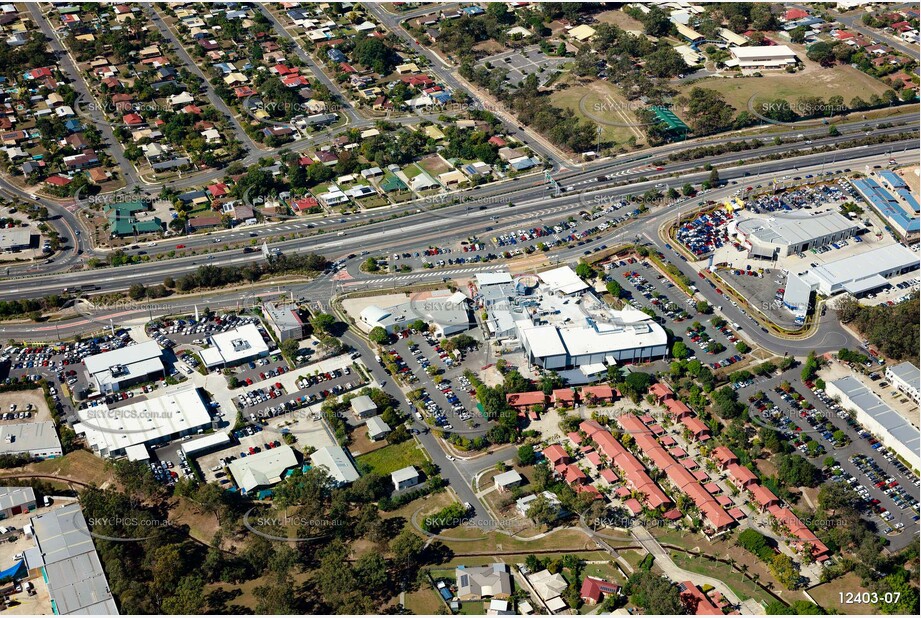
[180, 246]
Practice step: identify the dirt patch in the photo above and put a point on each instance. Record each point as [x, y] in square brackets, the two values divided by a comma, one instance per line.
[22, 399]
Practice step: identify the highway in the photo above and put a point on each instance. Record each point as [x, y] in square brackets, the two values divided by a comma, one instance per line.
[389, 236]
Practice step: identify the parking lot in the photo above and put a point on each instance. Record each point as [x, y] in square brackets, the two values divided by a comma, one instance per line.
[807, 415]
[524, 62]
[450, 403]
[645, 287]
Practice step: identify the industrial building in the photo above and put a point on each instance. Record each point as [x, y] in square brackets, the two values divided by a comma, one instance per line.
[264, 469]
[16, 500]
[788, 234]
[234, 347]
[285, 321]
[900, 211]
[447, 311]
[16, 239]
[130, 430]
[337, 462]
[36, 439]
[71, 568]
[878, 418]
[762, 57]
[858, 275]
[123, 368]
[561, 324]
[906, 378]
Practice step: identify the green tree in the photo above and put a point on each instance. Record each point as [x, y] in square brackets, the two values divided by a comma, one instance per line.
[379, 336]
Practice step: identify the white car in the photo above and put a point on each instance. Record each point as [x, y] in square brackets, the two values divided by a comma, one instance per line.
[450, 457]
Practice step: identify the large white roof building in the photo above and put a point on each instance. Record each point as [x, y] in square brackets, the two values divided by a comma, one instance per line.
[337, 462]
[763, 56]
[235, 346]
[110, 431]
[863, 272]
[263, 469]
[121, 368]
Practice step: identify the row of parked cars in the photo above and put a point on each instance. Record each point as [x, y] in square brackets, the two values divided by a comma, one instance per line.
[885, 483]
[260, 395]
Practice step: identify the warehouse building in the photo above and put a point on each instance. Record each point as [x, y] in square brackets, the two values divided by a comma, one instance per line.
[120, 369]
[38, 439]
[16, 500]
[878, 418]
[264, 469]
[71, 568]
[906, 378]
[234, 347]
[858, 274]
[763, 57]
[788, 234]
[15, 239]
[337, 462]
[131, 429]
[900, 211]
[285, 321]
[447, 311]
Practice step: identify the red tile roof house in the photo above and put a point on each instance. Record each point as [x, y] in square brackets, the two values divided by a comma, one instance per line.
[677, 409]
[741, 477]
[574, 476]
[724, 456]
[564, 397]
[696, 602]
[763, 496]
[661, 391]
[786, 519]
[556, 454]
[596, 394]
[497, 141]
[594, 589]
[526, 401]
[697, 428]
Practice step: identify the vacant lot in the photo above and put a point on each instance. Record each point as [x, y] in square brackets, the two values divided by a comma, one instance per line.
[620, 19]
[844, 81]
[827, 595]
[602, 103]
[78, 465]
[393, 457]
[22, 399]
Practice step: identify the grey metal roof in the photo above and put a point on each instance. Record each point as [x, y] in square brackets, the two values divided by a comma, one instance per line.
[76, 581]
[11, 497]
[864, 399]
[908, 373]
[796, 229]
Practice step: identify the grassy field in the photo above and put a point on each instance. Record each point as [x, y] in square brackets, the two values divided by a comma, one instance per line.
[620, 19]
[845, 81]
[564, 540]
[827, 595]
[393, 457]
[78, 465]
[604, 105]
[735, 580]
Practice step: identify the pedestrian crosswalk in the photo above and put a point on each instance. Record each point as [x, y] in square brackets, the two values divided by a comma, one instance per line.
[426, 275]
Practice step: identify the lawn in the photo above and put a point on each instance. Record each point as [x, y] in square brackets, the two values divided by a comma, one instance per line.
[422, 601]
[564, 540]
[739, 584]
[602, 103]
[393, 457]
[845, 81]
[472, 608]
[620, 19]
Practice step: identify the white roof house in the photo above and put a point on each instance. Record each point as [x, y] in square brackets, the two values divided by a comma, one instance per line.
[377, 428]
[109, 431]
[337, 462]
[363, 406]
[405, 477]
[263, 469]
[234, 346]
[507, 479]
[763, 56]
